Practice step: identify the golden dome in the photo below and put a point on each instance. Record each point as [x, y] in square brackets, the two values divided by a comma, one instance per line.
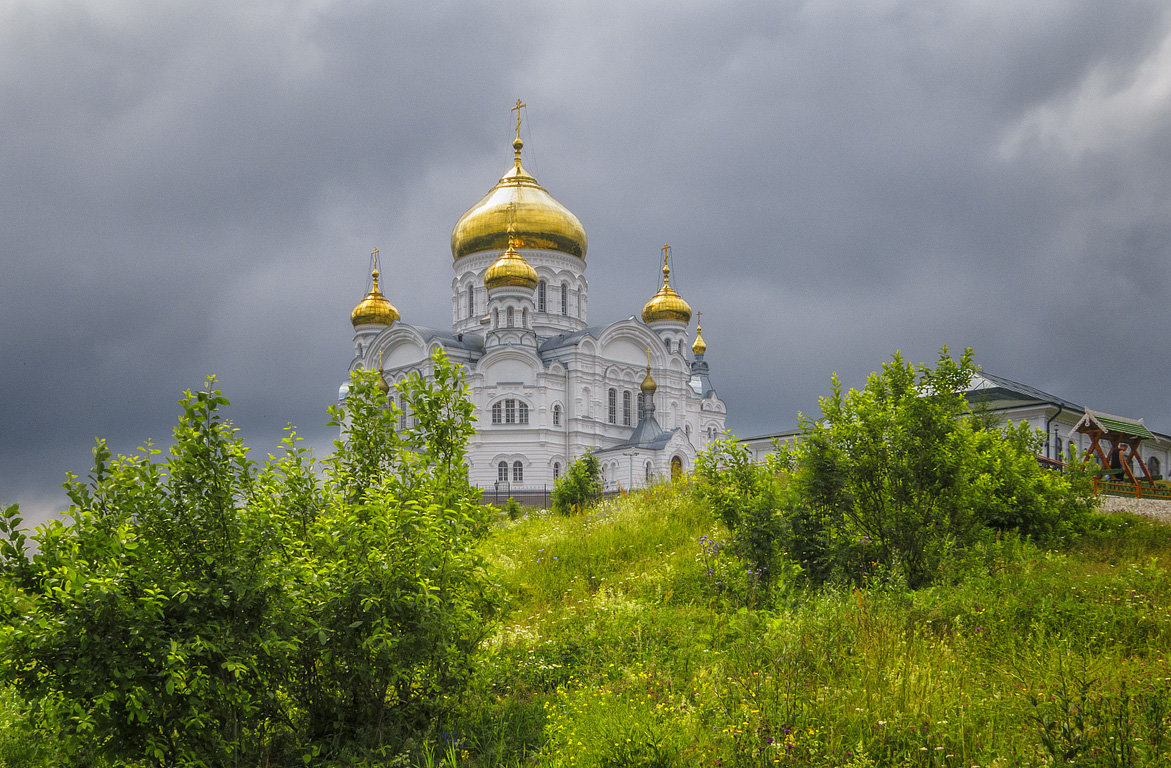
[375, 309]
[666, 305]
[510, 269]
[383, 386]
[541, 222]
[699, 346]
[648, 383]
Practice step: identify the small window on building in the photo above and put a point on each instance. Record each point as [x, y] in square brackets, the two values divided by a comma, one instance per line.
[541, 296]
[626, 408]
[1154, 466]
[613, 411]
[497, 412]
[518, 472]
[650, 472]
[502, 472]
[522, 413]
[471, 301]
[509, 411]
[556, 469]
[511, 321]
[565, 298]
[524, 318]
[557, 415]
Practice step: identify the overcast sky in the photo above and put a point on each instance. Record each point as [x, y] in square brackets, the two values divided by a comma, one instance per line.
[193, 188]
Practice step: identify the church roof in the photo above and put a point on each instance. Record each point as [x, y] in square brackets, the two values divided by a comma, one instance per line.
[570, 339]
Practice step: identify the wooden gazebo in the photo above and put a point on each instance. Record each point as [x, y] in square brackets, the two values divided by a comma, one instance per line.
[1119, 432]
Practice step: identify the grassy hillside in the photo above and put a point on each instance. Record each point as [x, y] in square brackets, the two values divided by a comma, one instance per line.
[629, 639]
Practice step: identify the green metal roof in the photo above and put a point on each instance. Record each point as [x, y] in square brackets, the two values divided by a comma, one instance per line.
[1118, 425]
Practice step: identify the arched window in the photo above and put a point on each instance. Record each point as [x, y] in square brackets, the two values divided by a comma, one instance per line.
[565, 298]
[524, 318]
[1154, 466]
[650, 472]
[613, 402]
[511, 318]
[541, 296]
[502, 472]
[626, 408]
[556, 469]
[471, 301]
[676, 467]
[497, 412]
[557, 415]
[510, 411]
[402, 417]
[518, 472]
[496, 318]
[687, 431]
[522, 413]
[579, 301]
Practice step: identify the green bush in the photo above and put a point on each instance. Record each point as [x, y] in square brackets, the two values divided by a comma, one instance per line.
[512, 508]
[893, 478]
[197, 611]
[748, 498]
[579, 487]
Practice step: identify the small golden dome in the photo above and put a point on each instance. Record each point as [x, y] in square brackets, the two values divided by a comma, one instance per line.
[375, 309]
[648, 384]
[666, 305]
[510, 269]
[699, 346]
[541, 222]
[383, 386]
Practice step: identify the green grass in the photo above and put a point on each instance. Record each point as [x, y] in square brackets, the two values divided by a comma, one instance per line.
[627, 641]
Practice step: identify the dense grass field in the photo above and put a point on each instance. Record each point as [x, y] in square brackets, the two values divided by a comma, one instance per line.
[630, 638]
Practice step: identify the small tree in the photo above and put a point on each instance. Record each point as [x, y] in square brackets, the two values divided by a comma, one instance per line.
[580, 486]
[196, 611]
[900, 472]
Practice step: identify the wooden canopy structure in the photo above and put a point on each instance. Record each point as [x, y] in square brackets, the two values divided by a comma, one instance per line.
[1121, 433]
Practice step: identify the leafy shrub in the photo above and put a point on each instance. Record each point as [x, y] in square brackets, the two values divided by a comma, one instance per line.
[747, 497]
[900, 474]
[580, 486]
[512, 508]
[196, 611]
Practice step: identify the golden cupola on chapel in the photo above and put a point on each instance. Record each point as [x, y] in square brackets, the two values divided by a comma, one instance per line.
[666, 305]
[540, 221]
[374, 309]
[699, 346]
[511, 269]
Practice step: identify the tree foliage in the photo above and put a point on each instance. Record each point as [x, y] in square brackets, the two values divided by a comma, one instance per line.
[198, 610]
[901, 472]
[580, 486]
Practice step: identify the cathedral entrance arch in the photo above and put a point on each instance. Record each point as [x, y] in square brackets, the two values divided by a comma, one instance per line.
[676, 467]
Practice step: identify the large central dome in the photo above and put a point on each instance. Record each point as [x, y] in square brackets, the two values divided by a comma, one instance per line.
[538, 220]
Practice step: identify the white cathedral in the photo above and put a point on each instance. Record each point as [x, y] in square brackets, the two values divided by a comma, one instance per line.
[547, 386]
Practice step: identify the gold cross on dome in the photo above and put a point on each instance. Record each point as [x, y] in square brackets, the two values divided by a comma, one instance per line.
[666, 253]
[519, 106]
[374, 256]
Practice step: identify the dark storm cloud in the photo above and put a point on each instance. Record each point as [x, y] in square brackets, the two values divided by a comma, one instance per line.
[193, 188]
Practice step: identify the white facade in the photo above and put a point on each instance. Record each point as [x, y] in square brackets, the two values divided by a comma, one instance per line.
[547, 386]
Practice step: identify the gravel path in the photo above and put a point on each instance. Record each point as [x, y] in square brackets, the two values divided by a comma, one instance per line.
[1157, 508]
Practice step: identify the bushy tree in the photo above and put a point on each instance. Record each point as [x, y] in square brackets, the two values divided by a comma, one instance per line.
[580, 486]
[197, 610]
[901, 472]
